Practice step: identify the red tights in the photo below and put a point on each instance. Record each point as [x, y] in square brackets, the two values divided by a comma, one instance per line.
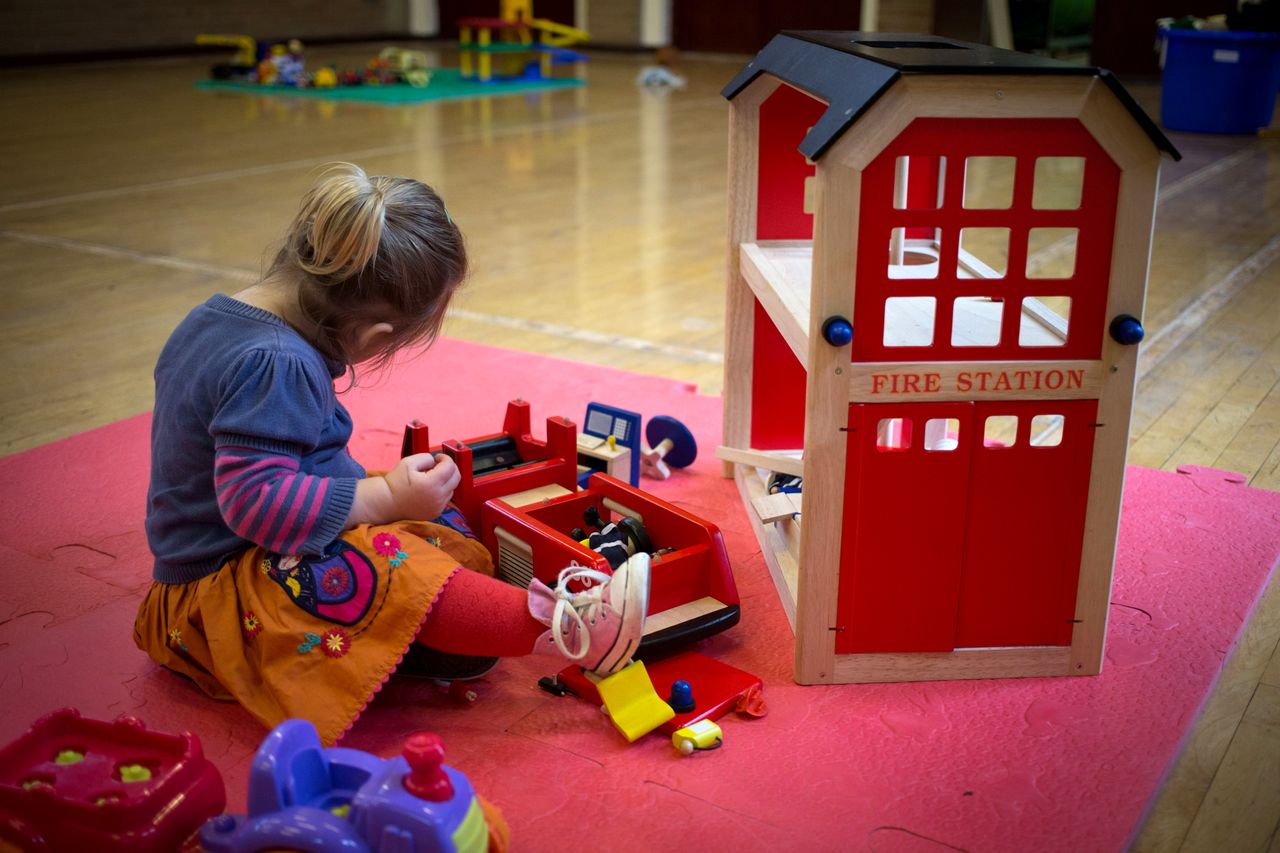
[478, 615]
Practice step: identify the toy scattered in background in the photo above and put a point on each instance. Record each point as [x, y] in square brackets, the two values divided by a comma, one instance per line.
[408, 65]
[662, 74]
[243, 66]
[70, 783]
[700, 690]
[377, 72]
[526, 47]
[284, 64]
[324, 78]
[522, 496]
[305, 797]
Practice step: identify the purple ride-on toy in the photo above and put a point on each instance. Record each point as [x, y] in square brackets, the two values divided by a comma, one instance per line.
[305, 797]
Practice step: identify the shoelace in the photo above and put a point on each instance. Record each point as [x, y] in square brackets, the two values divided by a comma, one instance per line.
[574, 605]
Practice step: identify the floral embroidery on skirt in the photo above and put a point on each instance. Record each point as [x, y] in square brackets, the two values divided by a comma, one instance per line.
[306, 636]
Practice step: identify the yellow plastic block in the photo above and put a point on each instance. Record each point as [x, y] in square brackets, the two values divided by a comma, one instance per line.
[633, 705]
[704, 734]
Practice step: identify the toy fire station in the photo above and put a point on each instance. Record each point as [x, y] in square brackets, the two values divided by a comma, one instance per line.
[937, 265]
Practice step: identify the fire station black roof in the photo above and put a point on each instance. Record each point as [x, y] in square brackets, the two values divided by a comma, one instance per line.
[850, 70]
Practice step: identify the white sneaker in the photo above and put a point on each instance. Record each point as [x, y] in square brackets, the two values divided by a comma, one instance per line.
[599, 628]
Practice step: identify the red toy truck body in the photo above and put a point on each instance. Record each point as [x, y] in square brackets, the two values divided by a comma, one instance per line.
[521, 497]
[692, 593]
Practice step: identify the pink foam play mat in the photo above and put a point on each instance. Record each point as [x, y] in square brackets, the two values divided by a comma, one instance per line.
[1051, 764]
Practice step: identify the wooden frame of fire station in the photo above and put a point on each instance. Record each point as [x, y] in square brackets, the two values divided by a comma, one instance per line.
[809, 179]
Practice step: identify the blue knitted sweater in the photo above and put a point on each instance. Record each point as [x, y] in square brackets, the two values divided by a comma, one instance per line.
[248, 443]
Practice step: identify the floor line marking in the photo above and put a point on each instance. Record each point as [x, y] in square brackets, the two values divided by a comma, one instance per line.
[558, 330]
[237, 273]
[1204, 173]
[346, 156]
[1156, 348]
[589, 336]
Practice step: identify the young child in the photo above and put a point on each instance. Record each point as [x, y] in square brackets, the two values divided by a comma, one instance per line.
[285, 578]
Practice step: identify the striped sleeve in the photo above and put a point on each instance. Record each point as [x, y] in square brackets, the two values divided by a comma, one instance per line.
[269, 419]
[265, 499]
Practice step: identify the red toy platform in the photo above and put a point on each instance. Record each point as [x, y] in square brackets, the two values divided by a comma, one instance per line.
[718, 688]
[69, 783]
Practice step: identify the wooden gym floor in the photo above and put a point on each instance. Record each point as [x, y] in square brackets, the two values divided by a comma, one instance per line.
[596, 219]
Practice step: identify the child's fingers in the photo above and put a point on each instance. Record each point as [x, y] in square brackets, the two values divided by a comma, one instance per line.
[420, 462]
[446, 473]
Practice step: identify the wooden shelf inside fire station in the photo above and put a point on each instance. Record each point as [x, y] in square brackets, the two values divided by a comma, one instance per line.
[779, 274]
[776, 521]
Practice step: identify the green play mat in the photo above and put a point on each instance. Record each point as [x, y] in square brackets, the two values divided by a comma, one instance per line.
[446, 84]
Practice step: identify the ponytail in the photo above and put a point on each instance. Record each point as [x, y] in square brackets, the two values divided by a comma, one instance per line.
[372, 249]
[339, 225]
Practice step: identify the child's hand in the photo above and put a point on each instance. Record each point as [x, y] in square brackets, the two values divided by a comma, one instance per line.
[422, 485]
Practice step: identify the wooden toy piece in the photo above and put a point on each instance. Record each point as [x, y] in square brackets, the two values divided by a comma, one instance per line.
[631, 702]
[505, 463]
[938, 256]
[609, 443]
[671, 445]
[417, 439]
[699, 736]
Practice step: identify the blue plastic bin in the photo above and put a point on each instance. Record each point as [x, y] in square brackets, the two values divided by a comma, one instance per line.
[1219, 81]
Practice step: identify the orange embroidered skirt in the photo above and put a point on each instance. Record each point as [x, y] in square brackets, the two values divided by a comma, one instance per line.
[306, 637]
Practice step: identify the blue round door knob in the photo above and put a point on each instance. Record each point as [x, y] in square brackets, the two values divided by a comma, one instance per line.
[837, 331]
[1127, 330]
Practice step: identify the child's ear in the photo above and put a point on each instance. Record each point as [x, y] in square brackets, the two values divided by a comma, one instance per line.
[368, 339]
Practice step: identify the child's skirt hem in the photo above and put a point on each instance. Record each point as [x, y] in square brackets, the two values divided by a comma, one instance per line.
[370, 693]
[311, 637]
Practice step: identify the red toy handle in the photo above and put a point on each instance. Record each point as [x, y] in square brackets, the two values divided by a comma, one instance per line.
[426, 779]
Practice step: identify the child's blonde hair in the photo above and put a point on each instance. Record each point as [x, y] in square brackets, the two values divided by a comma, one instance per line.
[372, 249]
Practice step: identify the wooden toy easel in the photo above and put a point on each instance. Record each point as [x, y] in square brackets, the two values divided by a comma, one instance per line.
[937, 265]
